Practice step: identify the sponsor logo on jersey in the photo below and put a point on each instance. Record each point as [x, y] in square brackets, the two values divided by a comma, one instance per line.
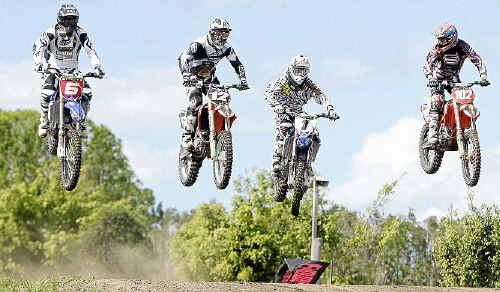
[64, 54]
[286, 89]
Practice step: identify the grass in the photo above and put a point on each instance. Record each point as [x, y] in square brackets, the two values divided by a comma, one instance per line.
[43, 285]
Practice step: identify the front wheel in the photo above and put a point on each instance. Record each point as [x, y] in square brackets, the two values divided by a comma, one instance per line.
[280, 186]
[223, 160]
[52, 141]
[72, 162]
[471, 158]
[298, 186]
[188, 169]
[430, 159]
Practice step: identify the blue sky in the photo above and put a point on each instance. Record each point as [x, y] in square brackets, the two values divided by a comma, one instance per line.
[366, 55]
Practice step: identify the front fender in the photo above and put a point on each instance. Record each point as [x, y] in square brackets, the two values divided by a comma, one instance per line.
[76, 111]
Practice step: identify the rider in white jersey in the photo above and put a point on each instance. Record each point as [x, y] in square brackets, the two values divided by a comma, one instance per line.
[59, 48]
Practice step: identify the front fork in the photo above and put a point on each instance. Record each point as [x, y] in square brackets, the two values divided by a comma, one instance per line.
[460, 131]
[213, 133]
[211, 125]
[61, 144]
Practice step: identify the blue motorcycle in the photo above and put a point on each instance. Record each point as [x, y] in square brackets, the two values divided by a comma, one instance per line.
[299, 150]
[66, 116]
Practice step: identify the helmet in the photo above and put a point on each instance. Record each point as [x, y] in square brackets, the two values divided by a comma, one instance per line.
[299, 68]
[219, 32]
[447, 36]
[67, 16]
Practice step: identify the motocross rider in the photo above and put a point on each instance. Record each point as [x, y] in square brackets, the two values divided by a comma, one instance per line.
[59, 48]
[444, 62]
[287, 95]
[197, 64]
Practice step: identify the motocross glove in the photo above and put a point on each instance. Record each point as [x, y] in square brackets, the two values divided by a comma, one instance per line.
[484, 80]
[243, 84]
[279, 109]
[331, 113]
[99, 72]
[189, 79]
[40, 68]
[433, 83]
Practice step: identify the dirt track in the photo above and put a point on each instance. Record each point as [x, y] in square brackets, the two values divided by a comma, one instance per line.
[143, 285]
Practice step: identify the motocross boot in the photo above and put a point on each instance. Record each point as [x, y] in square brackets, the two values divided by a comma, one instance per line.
[432, 134]
[44, 125]
[188, 123]
[186, 145]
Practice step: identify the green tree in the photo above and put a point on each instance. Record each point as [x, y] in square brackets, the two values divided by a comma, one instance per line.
[43, 225]
[468, 248]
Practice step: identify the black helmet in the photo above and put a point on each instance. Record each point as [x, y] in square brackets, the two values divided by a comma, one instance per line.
[67, 16]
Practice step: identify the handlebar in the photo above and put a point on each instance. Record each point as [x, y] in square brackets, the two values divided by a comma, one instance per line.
[58, 72]
[465, 84]
[459, 84]
[227, 87]
[314, 116]
[200, 84]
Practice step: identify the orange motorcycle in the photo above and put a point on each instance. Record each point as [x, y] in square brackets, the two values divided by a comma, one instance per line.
[457, 132]
[212, 138]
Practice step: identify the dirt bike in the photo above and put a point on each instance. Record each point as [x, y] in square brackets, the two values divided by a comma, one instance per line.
[299, 151]
[457, 131]
[212, 138]
[65, 108]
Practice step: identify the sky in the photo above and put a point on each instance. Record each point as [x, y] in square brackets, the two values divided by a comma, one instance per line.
[367, 56]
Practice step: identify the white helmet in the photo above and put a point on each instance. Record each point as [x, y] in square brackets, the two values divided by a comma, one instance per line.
[219, 32]
[299, 68]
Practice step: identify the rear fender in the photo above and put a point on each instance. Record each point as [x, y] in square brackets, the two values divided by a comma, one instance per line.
[76, 111]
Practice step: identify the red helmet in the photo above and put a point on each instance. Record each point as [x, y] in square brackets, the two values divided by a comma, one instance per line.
[447, 37]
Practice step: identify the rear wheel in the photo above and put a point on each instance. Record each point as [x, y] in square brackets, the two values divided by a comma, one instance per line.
[188, 169]
[298, 186]
[71, 163]
[223, 162]
[430, 159]
[471, 160]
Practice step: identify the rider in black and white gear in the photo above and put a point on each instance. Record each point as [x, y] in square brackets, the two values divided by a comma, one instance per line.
[197, 64]
[287, 95]
[59, 48]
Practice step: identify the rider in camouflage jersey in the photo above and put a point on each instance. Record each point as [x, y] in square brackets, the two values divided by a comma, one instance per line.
[59, 47]
[444, 62]
[287, 95]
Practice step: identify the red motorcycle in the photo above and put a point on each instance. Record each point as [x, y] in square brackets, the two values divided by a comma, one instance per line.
[212, 137]
[457, 131]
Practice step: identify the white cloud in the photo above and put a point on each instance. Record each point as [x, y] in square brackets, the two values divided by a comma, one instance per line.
[151, 163]
[147, 98]
[344, 71]
[220, 4]
[19, 86]
[385, 156]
